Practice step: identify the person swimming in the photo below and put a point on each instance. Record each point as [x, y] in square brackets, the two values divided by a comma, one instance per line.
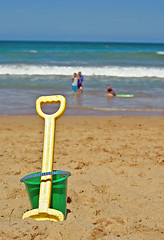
[110, 91]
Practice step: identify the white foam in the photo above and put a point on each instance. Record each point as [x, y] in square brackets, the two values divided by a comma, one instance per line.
[119, 109]
[110, 71]
[129, 109]
[160, 53]
[32, 51]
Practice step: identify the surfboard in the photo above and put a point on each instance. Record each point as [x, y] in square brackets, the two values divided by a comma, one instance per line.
[125, 95]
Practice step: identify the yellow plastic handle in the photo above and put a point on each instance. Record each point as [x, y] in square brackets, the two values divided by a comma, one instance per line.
[51, 99]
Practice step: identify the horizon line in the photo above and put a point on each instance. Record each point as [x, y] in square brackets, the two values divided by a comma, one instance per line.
[79, 41]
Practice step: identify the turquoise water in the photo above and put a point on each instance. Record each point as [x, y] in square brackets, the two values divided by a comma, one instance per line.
[31, 69]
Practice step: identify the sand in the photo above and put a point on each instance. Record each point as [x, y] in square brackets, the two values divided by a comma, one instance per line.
[116, 187]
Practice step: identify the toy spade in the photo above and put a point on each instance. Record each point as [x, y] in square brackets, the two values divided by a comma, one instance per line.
[44, 212]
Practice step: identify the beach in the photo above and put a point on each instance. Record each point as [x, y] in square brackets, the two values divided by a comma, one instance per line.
[113, 147]
[115, 190]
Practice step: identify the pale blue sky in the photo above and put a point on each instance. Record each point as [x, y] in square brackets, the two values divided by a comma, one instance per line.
[87, 20]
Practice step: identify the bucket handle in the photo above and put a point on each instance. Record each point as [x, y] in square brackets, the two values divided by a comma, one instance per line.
[44, 174]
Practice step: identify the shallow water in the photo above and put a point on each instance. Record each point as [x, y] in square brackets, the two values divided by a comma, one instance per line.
[32, 69]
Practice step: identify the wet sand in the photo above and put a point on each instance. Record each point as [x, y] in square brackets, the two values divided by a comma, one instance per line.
[116, 187]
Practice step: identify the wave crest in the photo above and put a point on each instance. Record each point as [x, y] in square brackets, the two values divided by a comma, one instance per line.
[160, 52]
[110, 71]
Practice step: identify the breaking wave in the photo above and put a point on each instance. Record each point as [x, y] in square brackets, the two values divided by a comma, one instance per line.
[110, 71]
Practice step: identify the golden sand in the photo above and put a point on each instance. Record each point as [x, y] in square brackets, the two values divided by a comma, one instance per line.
[116, 187]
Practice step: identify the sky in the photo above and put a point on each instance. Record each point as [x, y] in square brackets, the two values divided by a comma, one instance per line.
[87, 20]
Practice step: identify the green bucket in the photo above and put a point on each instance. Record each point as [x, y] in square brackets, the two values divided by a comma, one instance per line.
[58, 193]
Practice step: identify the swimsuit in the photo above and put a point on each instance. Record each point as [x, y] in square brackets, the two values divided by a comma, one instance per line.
[74, 84]
[110, 91]
[80, 81]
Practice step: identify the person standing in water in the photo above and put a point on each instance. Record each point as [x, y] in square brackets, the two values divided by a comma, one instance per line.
[110, 91]
[80, 82]
[74, 83]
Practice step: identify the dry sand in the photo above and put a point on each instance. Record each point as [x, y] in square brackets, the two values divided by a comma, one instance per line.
[116, 187]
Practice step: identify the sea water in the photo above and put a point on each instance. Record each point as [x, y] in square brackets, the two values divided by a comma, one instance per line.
[32, 69]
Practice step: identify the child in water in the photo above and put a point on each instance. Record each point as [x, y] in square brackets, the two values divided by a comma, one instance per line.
[74, 83]
[80, 82]
[110, 91]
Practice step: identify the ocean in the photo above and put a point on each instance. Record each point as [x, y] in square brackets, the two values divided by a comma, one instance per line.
[29, 69]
